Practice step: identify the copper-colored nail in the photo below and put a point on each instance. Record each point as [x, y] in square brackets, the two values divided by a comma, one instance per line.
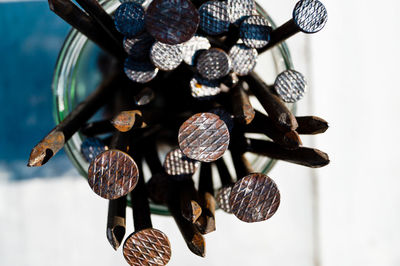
[203, 137]
[112, 174]
[126, 120]
[254, 198]
[147, 247]
[116, 221]
[56, 139]
[172, 22]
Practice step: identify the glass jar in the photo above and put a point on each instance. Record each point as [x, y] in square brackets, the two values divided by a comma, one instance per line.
[77, 74]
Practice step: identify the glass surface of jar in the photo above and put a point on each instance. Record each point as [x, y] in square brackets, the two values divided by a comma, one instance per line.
[77, 74]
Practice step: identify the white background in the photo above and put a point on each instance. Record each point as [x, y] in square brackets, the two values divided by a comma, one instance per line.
[347, 213]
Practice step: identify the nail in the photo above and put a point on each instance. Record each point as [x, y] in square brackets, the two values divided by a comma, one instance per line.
[255, 31]
[166, 57]
[116, 221]
[213, 64]
[203, 137]
[272, 103]
[78, 19]
[56, 139]
[112, 174]
[140, 71]
[129, 19]
[214, 18]
[126, 120]
[192, 47]
[309, 157]
[254, 198]
[176, 163]
[244, 59]
[242, 108]
[171, 21]
[309, 16]
[138, 46]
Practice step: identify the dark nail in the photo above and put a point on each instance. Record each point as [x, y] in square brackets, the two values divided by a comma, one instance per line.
[309, 16]
[129, 19]
[213, 64]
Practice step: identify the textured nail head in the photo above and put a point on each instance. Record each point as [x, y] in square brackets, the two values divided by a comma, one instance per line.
[113, 174]
[166, 57]
[255, 32]
[240, 9]
[129, 18]
[290, 85]
[177, 163]
[138, 47]
[310, 16]
[204, 137]
[192, 47]
[222, 199]
[254, 198]
[214, 17]
[172, 21]
[91, 147]
[139, 71]
[147, 247]
[204, 88]
[213, 64]
[244, 59]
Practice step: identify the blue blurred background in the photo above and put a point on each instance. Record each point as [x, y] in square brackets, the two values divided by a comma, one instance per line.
[30, 39]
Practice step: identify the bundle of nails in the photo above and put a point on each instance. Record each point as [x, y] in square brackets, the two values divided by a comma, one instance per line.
[200, 108]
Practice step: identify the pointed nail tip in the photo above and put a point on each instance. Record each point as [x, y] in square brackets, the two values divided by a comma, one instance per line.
[198, 251]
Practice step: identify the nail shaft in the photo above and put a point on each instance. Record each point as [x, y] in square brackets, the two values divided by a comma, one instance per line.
[304, 156]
